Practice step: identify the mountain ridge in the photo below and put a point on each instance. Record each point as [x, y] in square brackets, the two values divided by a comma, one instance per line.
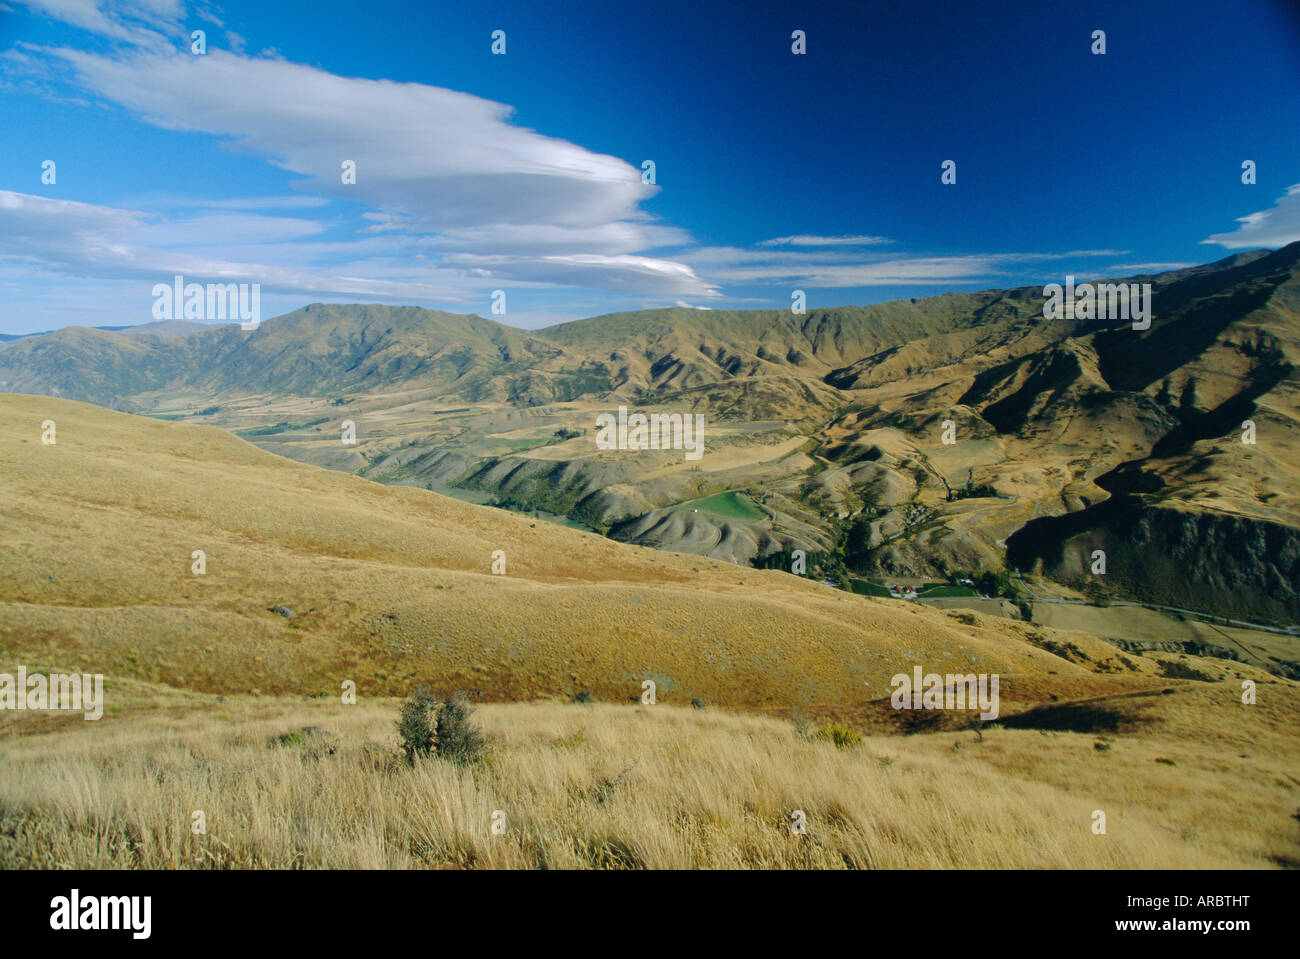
[830, 423]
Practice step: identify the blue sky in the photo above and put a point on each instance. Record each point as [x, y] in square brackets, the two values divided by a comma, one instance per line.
[773, 171]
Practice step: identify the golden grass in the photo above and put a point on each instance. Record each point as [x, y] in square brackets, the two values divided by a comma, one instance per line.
[390, 583]
[621, 786]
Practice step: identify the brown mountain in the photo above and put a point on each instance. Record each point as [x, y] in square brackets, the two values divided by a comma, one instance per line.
[824, 431]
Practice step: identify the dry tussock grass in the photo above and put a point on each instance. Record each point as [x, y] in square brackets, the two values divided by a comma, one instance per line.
[392, 585]
[619, 786]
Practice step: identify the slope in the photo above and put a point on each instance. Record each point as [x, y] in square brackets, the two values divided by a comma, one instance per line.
[390, 584]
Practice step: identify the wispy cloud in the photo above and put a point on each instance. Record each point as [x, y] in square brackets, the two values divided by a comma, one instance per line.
[622, 273]
[1267, 228]
[448, 170]
[452, 197]
[142, 23]
[1146, 267]
[807, 240]
[838, 269]
[83, 240]
[285, 202]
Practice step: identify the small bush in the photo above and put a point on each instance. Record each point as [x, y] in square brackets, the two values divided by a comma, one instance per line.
[573, 741]
[312, 741]
[842, 736]
[604, 789]
[439, 727]
[1096, 593]
[416, 725]
[457, 738]
[1173, 669]
[697, 703]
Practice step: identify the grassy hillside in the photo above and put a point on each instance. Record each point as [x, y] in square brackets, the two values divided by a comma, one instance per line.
[209, 687]
[388, 584]
[937, 432]
[1199, 782]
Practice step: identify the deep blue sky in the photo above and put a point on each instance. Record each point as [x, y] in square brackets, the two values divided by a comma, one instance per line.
[1066, 161]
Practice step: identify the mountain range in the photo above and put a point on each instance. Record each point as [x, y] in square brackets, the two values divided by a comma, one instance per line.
[935, 437]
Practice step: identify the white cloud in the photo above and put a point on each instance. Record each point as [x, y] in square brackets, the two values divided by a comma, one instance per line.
[837, 269]
[807, 240]
[143, 23]
[286, 202]
[217, 229]
[623, 273]
[82, 240]
[447, 171]
[52, 237]
[1268, 228]
[1135, 268]
[441, 158]
[544, 238]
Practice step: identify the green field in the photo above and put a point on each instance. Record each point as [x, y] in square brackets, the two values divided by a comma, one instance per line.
[731, 505]
[523, 446]
[943, 589]
[929, 591]
[866, 588]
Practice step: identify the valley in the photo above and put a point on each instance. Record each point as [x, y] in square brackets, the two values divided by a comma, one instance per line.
[229, 690]
[958, 434]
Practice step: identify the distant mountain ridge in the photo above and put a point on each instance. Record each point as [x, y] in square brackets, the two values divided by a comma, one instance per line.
[829, 423]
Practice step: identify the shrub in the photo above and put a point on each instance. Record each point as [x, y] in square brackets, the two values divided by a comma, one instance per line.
[312, 741]
[457, 738]
[604, 789]
[1096, 593]
[1173, 669]
[440, 727]
[842, 736]
[416, 725]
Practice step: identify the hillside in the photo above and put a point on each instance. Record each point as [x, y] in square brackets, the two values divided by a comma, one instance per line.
[1199, 782]
[390, 584]
[219, 699]
[1070, 435]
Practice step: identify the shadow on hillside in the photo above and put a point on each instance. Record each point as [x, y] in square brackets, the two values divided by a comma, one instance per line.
[1084, 717]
